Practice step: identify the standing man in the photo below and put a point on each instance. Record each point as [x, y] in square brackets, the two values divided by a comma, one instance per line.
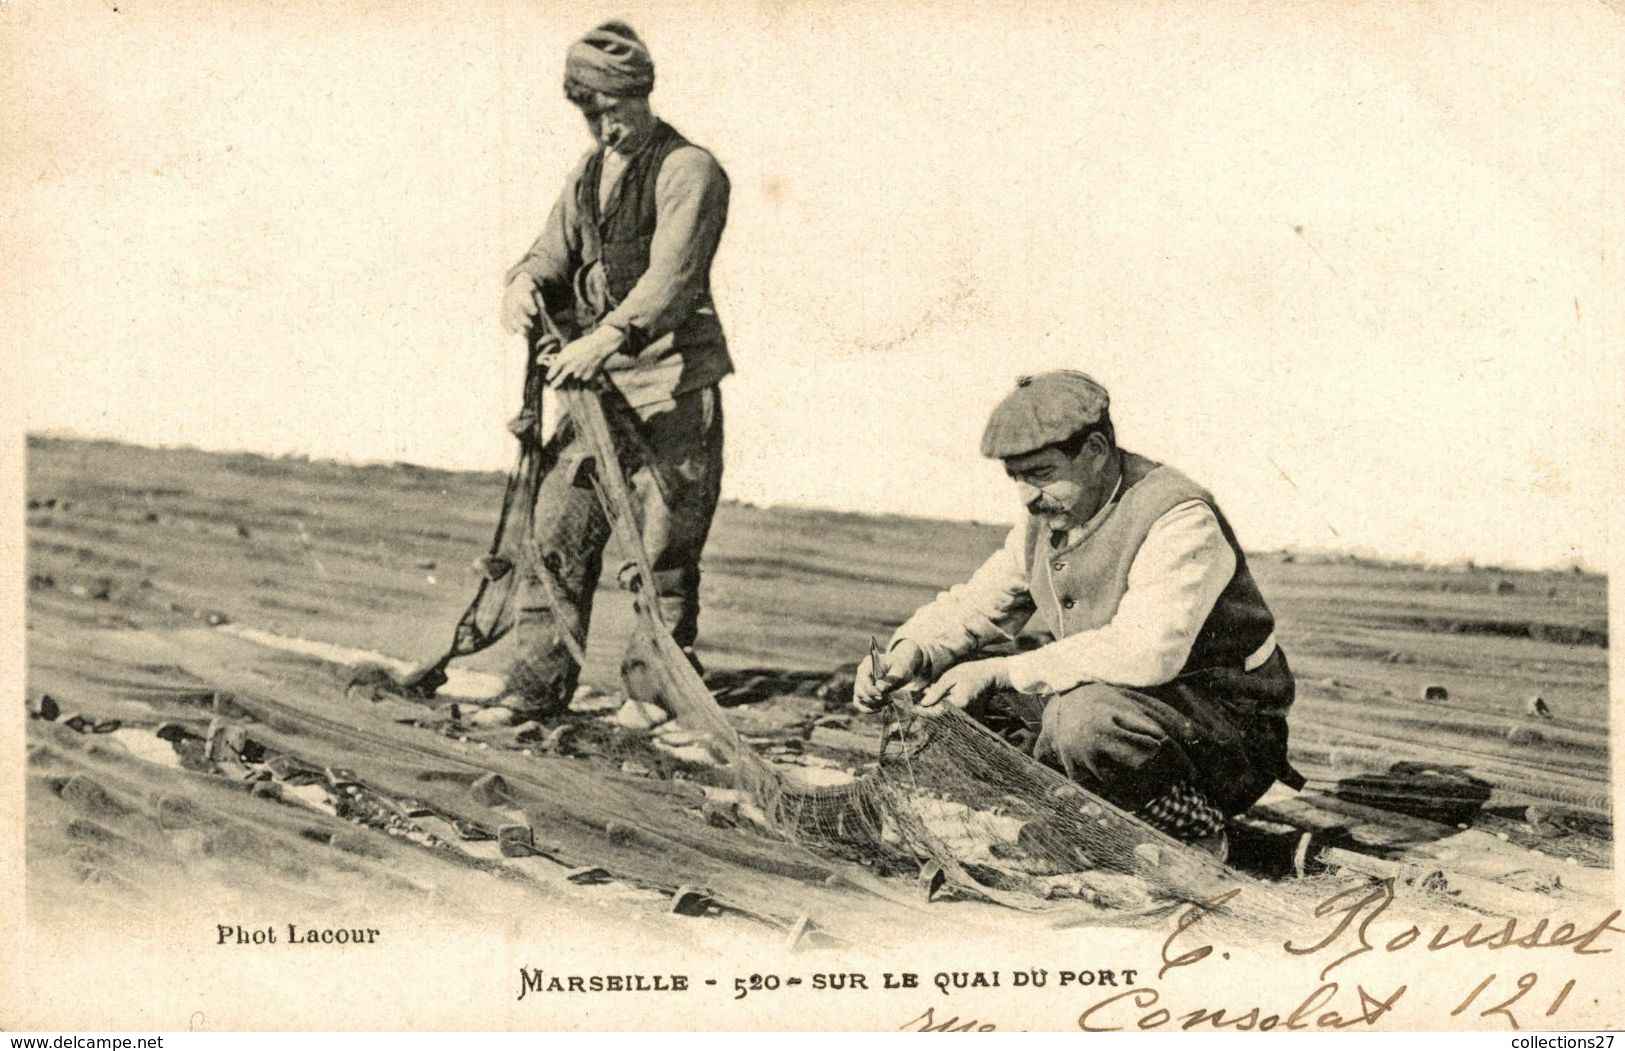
[625, 262]
[1163, 690]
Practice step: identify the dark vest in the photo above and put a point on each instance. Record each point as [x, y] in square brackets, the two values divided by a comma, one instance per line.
[1078, 588]
[619, 241]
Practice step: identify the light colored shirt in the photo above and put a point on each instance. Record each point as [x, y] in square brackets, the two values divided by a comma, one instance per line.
[1176, 577]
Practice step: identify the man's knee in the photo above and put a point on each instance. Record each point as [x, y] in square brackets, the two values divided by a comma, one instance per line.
[681, 582]
[1084, 715]
[681, 612]
[1099, 731]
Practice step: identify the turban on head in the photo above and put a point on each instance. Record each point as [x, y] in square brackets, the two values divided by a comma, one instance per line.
[611, 59]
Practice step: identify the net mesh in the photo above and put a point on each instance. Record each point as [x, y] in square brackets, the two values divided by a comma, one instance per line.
[946, 798]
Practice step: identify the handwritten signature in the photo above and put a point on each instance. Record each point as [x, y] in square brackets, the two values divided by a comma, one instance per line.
[1372, 901]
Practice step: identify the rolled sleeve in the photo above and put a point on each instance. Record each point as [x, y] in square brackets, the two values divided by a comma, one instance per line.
[691, 209]
[993, 605]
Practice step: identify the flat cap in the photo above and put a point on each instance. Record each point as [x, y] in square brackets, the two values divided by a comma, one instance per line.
[1044, 409]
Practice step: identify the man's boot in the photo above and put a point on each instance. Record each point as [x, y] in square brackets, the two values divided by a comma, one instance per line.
[678, 600]
[543, 677]
[641, 678]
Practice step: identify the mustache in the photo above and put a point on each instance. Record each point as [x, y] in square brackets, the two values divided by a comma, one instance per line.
[1044, 507]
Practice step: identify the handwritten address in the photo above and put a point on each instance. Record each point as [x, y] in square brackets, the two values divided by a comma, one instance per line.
[1348, 933]
[1109, 998]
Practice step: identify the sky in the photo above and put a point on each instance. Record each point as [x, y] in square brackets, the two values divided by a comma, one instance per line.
[1353, 266]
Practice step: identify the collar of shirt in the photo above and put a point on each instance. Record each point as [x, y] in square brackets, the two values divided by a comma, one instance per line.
[1062, 541]
[614, 165]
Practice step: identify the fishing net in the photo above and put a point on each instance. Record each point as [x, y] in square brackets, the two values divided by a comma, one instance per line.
[490, 614]
[946, 799]
[954, 803]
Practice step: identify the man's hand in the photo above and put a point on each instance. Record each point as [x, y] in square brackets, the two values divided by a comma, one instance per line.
[965, 684]
[546, 346]
[519, 303]
[583, 359]
[905, 664]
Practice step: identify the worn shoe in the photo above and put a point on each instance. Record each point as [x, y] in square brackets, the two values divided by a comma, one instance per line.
[1185, 813]
[539, 689]
[1217, 844]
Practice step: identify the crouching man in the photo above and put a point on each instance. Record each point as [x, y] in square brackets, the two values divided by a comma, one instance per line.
[1163, 689]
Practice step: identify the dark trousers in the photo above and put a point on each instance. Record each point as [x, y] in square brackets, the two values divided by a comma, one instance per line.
[1223, 732]
[675, 469]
